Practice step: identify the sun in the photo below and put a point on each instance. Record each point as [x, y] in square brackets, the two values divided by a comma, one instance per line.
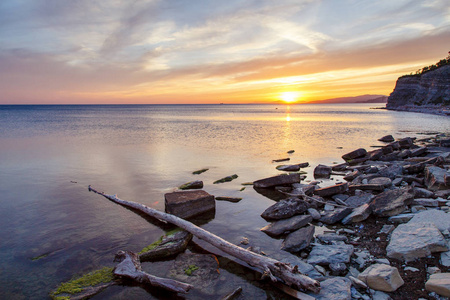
[290, 97]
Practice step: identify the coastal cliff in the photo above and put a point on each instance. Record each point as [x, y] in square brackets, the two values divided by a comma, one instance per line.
[428, 92]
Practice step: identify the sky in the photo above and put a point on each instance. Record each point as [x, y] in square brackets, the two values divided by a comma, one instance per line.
[173, 51]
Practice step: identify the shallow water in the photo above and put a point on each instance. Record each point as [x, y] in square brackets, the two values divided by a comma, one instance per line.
[50, 154]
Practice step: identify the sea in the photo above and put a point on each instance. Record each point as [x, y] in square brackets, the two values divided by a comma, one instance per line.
[53, 229]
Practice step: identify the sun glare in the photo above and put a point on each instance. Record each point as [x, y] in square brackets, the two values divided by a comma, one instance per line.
[290, 97]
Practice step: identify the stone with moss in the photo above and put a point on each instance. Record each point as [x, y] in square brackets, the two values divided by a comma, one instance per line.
[226, 179]
[199, 171]
[167, 245]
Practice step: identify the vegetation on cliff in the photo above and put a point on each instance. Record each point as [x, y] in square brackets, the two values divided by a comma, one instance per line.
[442, 62]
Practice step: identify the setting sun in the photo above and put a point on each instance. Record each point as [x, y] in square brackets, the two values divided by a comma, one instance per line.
[290, 97]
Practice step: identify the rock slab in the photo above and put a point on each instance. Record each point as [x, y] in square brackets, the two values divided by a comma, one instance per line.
[285, 209]
[332, 190]
[439, 283]
[381, 277]
[291, 224]
[415, 240]
[328, 254]
[298, 240]
[438, 217]
[188, 204]
[392, 202]
[283, 179]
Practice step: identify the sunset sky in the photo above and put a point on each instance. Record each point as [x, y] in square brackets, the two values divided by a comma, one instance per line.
[123, 51]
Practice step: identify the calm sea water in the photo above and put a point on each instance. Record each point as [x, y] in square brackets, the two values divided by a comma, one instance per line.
[50, 154]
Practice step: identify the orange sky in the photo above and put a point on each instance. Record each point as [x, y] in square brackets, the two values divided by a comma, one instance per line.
[90, 52]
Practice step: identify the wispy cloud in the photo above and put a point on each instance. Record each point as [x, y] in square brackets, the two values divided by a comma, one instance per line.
[156, 51]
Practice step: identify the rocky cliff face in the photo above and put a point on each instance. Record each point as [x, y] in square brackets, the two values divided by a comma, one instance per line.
[428, 92]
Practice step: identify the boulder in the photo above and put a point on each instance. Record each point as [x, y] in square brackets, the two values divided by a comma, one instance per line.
[381, 277]
[358, 153]
[392, 202]
[358, 200]
[385, 181]
[438, 217]
[328, 254]
[298, 240]
[415, 240]
[335, 215]
[284, 179]
[332, 190]
[387, 139]
[188, 204]
[439, 283]
[193, 185]
[406, 143]
[359, 214]
[291, 224]
[322, 171]
[285, 209]
[435, 178]
[334, 288]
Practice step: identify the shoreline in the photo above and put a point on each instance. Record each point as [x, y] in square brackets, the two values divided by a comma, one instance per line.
[442, 111]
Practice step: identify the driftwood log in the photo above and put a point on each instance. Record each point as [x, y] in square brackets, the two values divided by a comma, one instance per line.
[275, 270]
[130, 267]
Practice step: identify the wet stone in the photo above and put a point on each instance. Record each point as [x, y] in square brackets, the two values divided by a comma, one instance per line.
[332, 190]
[284, 209]
[283, 179]
[187, 204]
[358, 153]
[291, 224]
[336, 215]
[322, 171]
[387, 139]
[197, 184]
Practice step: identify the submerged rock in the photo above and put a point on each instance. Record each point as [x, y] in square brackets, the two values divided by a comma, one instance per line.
[415, 240]
[226, 179]
[298, 240]
[291, 224]
[284, 209]
[197, 184]
[167, 246]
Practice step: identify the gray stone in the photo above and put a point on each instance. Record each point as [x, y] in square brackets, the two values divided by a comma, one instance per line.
[397, 181]
[358, 283]
[392, 202]
[292, 168]
[375, 154]
[367, 187]
[391, 171]
[433, 270]
[417, 208]
[419, 151]
[358, 200]
[322, 171]
[402, 218]
[435, 178]
[336, 215]
[382, 278]
[439, 218]
[283, 179]
[387, 139]
[285, 209]
[193, 185]
[334, 288]
[386, 181]
[330, 237]
[439, 283]
[359, 214]
[188, 204]
[379, 295]
[426, 202]
[352, 175]
[298, 240]
[406, 143]
[338, 268]
[358, 153]
[387, 229]
[411, 269]
[415, 240]
[332, 190]
[445, 258]
[314, 213]
[328, 254]
[290, 224]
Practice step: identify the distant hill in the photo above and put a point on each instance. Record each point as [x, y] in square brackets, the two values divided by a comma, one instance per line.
[357, 99]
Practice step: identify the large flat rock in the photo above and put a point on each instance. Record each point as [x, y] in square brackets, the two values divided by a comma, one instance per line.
[439, 218]
[328, 254]
[439, 283]
[415, 240]
[285, 209]
[392, 202]
[290, 224]
[188, 204]
[283, 179]
[435, 178]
